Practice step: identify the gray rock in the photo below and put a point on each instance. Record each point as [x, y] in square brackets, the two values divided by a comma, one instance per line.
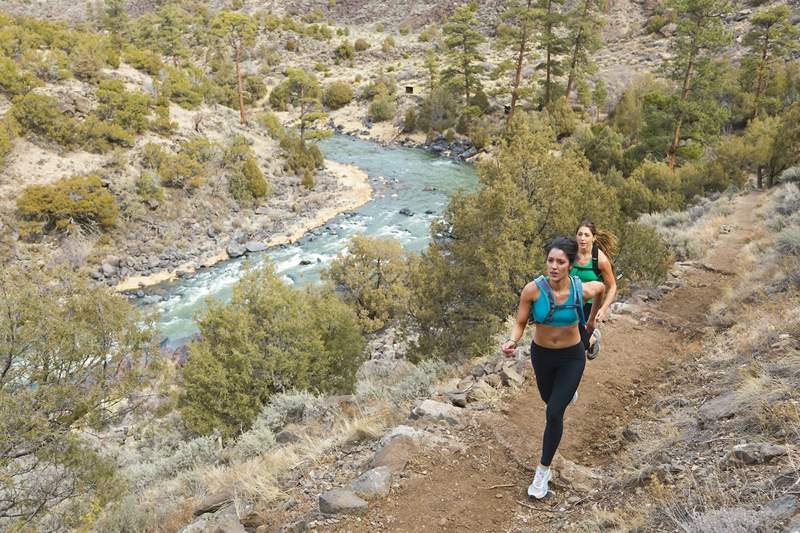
[480, 391]
[510, 377]
[755, 453]
[395, 454]
[465, 383]
[435, 410]
[340, 501]
[793, 526]
[781, 508]
[212, 503]
[255, 246]
[668, 29]
[400, 431]
[493, 380]
[478, 371]
[457, 398]
[407, 212]
[622, 308]
[235, 249]
[108, 270]
[285, 437]
[372, 484]
[470, 152]
[298, 526]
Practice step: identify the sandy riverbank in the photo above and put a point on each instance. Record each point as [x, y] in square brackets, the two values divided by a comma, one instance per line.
[354, 192]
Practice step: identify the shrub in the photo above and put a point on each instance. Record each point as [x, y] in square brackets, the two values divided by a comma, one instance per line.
[246, 182]
[479, 134]
[126, 109]
[95, 135]
[147, 187]
[179, 88]
[405, 29]
[66, 205]
[788, 241]
[388, 45]
[269, 338]
[272, 124]
[410, 121]
[144, 60]
[291, 44]
[39, 115]
[382, 83]
[373, 278]
[6, 140]
[289, 90]
[345, 50]
[643, 254]
[382, 107]
[438, 111]
[338, 94]
[14, 82]
[361, 45]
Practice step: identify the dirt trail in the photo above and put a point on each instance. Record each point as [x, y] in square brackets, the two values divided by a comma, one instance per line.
[453, 491]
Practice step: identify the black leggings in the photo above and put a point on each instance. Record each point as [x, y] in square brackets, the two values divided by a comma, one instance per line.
[558, 374]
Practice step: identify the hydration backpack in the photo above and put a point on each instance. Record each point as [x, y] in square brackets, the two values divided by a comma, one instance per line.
[596, 261]
[577, 299]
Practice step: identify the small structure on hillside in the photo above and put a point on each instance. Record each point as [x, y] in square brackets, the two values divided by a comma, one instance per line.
[409, 89]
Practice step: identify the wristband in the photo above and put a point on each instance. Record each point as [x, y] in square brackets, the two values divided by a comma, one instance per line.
[515, 342]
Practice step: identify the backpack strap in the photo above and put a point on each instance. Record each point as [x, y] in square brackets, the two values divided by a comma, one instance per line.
[541, 282]
[596, 260]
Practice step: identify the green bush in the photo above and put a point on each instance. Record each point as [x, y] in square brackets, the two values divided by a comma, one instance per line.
[388, 45]
[147, 187]
[246, 182]
[96, 135]
[655, 23]
[13, 81]
[269, 338]
[410, 121]
[382, 107]
[345, 50]
[144, 60]
[292, 44]
[6, 140]
[66, 205]
[289, 90]
[373, 278]
[272, 124]
[405, 29]
[643, 255]
[382, 83]
[180, 171]
[479, 134]
[127, 109]
[361, 45]
[179, 88]
[301, 160]
[438, 111]
[338, 94]
[39, 116]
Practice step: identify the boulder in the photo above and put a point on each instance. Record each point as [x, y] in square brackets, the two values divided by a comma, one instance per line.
[400, 431]
[478, 371]
[406, 212]
[286, 437]
[480, 392]
[395, 454]
[668, 29]
[493, 380]
[340, 501]
[781, 508]
[255, 246]
[622, 308]
[372, 484]
[581, 478]
[108, 269]
[465, 383]
[435, 410]
[510, 377]
[755, 453]
[235, 249]
[457, 398]
[212, 503]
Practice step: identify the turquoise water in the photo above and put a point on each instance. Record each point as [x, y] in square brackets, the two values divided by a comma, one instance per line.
[401, 178]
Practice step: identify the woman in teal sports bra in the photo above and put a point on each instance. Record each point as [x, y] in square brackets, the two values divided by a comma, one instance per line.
[587, 237]
[557, 351]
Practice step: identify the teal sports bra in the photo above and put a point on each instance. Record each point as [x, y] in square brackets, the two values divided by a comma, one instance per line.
[562, 317]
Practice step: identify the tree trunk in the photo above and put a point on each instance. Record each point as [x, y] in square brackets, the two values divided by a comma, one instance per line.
[239, 85]
[575, 50]
[672, 155]
[523, 45]
[465, 66]
[760, 177]
[760, 79]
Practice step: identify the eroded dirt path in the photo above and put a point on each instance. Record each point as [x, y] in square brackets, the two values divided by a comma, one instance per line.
[480, 488]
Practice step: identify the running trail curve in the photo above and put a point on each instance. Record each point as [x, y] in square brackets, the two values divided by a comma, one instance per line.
[480, 489]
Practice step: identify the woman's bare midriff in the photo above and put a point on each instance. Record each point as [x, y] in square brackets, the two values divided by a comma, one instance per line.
[556, 336]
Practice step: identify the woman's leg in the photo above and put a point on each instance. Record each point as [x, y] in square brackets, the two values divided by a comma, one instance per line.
[543, 369]
[567, 377]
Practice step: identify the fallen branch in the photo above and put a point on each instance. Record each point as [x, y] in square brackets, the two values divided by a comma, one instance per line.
[499, 486]
[531, 507]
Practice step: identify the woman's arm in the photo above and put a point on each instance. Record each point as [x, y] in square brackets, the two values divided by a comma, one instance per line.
[610, 282]
[593, 290]
[528, 296]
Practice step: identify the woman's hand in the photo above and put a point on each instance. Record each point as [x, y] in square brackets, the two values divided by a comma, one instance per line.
[508, 347]
[602, 315]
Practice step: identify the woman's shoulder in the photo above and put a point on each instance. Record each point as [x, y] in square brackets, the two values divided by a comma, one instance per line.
[531, 290]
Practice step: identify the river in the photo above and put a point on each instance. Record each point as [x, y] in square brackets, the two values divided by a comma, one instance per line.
[402, 178]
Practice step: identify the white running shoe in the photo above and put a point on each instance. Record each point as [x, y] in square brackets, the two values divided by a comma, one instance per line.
[574, 398]
[594, 349]
[538, 488]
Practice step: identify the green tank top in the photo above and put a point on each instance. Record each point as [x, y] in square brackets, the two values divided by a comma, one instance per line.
[585, 273]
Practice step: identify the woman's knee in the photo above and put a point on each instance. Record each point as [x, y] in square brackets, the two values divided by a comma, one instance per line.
[554, 414]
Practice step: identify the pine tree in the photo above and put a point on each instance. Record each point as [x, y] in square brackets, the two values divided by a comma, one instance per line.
[552, 45]
[699, 35]
[599, 96]
[238, 31]
[432, 66]
[771, 38]
[584, 23]
[461, 41]
[115, 21]
[516, 35]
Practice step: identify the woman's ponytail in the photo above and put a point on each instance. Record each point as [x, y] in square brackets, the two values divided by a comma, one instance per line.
[607, 242]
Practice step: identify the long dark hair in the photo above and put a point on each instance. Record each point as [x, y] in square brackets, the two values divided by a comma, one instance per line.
[566, 245]
[604, 239]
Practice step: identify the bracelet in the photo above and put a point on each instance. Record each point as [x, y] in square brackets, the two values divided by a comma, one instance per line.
[512, 340]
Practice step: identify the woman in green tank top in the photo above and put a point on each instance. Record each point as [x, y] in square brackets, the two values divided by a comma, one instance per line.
[585, 268]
